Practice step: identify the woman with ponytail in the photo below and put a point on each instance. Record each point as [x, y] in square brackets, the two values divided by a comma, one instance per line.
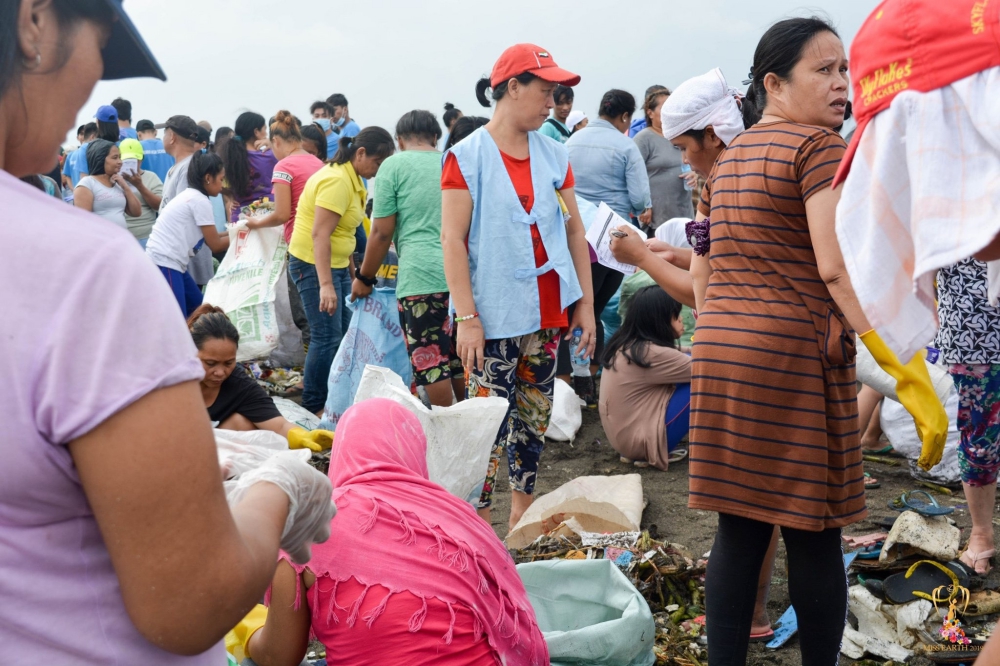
[513, 262]
[330, 210]
[249, 170]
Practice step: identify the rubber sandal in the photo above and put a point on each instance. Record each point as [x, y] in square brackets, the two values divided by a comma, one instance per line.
[677, 455]
[879, 452]
[897, 504]
[871, 483]
[920, 581]
[870, 552]
[762, 638]
[930, 507]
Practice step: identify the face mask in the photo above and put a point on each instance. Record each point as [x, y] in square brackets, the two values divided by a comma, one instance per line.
[324, 123]
[340, 123]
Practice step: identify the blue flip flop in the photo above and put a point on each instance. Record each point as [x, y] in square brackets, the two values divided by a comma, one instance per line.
[928, 507]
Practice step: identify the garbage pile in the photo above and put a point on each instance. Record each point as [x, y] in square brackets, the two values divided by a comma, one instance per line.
[671, 582]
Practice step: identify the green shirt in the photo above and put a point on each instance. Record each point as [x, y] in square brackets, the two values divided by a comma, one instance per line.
[551, 131]
[409, 186]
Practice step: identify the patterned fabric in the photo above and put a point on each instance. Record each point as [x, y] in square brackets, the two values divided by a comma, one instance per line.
[978, 389]
[430, 338]
[522, 370]
[969, 326]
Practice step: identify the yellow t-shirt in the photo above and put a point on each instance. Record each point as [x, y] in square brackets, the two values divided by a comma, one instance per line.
[339, 189]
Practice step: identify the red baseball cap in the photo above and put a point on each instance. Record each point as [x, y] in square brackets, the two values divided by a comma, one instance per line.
[528, 58]
[917, 45]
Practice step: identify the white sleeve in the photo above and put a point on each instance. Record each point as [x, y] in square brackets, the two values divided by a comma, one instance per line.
[201, 211]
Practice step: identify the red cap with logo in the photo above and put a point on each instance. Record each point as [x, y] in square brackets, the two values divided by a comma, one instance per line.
[917, 45]
[528, 58]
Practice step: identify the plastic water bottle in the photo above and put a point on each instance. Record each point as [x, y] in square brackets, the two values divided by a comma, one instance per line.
[581, 366]
[686, 169]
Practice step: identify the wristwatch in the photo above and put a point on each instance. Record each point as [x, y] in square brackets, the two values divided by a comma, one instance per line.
[368, 282]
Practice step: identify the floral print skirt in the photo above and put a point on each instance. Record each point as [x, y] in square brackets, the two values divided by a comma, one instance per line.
[430, 338]
[978, 421]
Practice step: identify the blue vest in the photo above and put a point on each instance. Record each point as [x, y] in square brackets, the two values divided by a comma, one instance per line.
[501, 252]
[155, 158]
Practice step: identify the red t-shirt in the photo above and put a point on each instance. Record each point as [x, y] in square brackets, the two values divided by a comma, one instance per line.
[549, 295]
[294, 171]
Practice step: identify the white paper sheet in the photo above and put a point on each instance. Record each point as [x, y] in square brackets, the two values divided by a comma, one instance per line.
[600, 239]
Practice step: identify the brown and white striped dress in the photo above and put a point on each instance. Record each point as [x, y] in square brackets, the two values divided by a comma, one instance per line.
[774, 419]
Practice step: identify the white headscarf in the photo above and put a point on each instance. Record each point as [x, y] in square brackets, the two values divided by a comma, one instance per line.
[702, 101]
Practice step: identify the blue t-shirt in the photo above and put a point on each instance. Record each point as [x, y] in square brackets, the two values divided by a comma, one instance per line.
[350, 128]
[331, 145]
[76, 164]
[155, 158]
[127, 133]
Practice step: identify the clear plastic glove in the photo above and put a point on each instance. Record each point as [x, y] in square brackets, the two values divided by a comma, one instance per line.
[310, 508]
[916, 392]
[314, 440]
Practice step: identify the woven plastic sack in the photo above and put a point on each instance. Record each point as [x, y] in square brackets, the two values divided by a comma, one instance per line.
[296, 413]
[375, 337]
[246, 286]
[566, 414]
[459, 438]
[589, 613]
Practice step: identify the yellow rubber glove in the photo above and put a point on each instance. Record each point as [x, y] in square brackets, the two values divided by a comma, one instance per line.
[238, 638]
[314, 440]
[916, 393]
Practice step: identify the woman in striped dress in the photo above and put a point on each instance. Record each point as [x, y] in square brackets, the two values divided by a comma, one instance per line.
[774, 433]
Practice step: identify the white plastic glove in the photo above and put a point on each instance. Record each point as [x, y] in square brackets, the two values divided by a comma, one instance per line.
[310, 508]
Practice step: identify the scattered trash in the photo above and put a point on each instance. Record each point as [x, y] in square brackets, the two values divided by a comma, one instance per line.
[277, 381]
[931, 536]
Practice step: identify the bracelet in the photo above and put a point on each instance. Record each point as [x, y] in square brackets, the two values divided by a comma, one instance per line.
[368, 282]
[471, 316]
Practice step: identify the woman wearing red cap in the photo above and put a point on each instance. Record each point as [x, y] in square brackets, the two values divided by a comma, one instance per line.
[513, 264]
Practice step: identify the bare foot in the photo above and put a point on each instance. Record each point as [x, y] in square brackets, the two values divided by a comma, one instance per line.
[977, 554]
[519, 503]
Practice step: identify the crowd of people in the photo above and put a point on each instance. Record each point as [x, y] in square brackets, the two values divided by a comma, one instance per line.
[115, 525]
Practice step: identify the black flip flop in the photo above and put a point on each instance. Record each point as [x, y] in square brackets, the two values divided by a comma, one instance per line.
[921, 579]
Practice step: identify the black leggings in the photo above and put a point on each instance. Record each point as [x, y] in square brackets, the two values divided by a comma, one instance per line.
[817, 586]
[606, 282]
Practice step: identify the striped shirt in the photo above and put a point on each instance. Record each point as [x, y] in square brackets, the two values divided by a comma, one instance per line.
[774, 420]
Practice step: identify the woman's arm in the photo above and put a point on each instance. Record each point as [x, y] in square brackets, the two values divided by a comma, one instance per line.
[637, 183]
[83, 198]
[821, 209]
[583, 314]
[152, 199]
[189, 568]
[284, 638]
[383, 229]
[133, 207]
[215, 241]
[282, 208]
[632, 250]
[456, 219]
[324, 224]
[278, 425]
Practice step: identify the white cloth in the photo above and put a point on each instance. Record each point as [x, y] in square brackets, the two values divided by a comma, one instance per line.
[923, 193]
[178, 230]
[702, 101]
[674, 232]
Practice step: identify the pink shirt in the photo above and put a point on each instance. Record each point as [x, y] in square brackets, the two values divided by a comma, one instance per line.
[89, 327]
[295, 170]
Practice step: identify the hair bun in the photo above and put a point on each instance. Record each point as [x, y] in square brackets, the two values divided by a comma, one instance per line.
[448, 106]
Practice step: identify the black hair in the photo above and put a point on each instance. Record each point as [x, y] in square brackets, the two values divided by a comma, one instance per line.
[235, 153]
[97, 153]
[376, 141]
[652, 94]
[563, 94]
[81, 129]
[648, 320]
[69, 13]
[321, 105]
[89, 131]
[463, 127]
[108, 131]
[208, 322]
[419, 125]
[204, 136]
[223, 133]
[778, 52]
[314, 133]
[34, 180]
[203, 164]
[498, 93]
[124, 109]
[616, 103]
[451, 114]
[336, 99]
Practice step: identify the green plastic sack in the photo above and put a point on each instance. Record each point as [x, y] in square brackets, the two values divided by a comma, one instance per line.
[589, 613]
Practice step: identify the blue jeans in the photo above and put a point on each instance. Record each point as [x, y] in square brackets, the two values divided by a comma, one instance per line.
[326, 331]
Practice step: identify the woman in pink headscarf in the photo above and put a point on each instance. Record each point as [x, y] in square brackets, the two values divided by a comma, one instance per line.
[411, 575]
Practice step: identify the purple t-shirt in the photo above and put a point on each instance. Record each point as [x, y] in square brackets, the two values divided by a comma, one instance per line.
[261, 172]
[92, 333]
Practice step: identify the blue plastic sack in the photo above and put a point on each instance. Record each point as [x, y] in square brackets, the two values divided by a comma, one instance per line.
[374, 337]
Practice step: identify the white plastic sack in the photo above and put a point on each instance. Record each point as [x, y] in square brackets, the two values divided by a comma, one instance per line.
[589, 613]
[289, 352]
[598, 503]
[296, 413]
[566, 414]
[246, 285]
[898, 426]
[459, 438]
[240, 451]
[871, 374]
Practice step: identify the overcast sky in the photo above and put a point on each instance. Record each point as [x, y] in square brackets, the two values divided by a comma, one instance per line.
[223, 57]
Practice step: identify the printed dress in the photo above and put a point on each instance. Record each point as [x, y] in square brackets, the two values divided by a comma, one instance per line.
[774, 420]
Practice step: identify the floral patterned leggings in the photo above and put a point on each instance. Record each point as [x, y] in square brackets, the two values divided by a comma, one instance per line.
[522, 370]
[978, 421]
